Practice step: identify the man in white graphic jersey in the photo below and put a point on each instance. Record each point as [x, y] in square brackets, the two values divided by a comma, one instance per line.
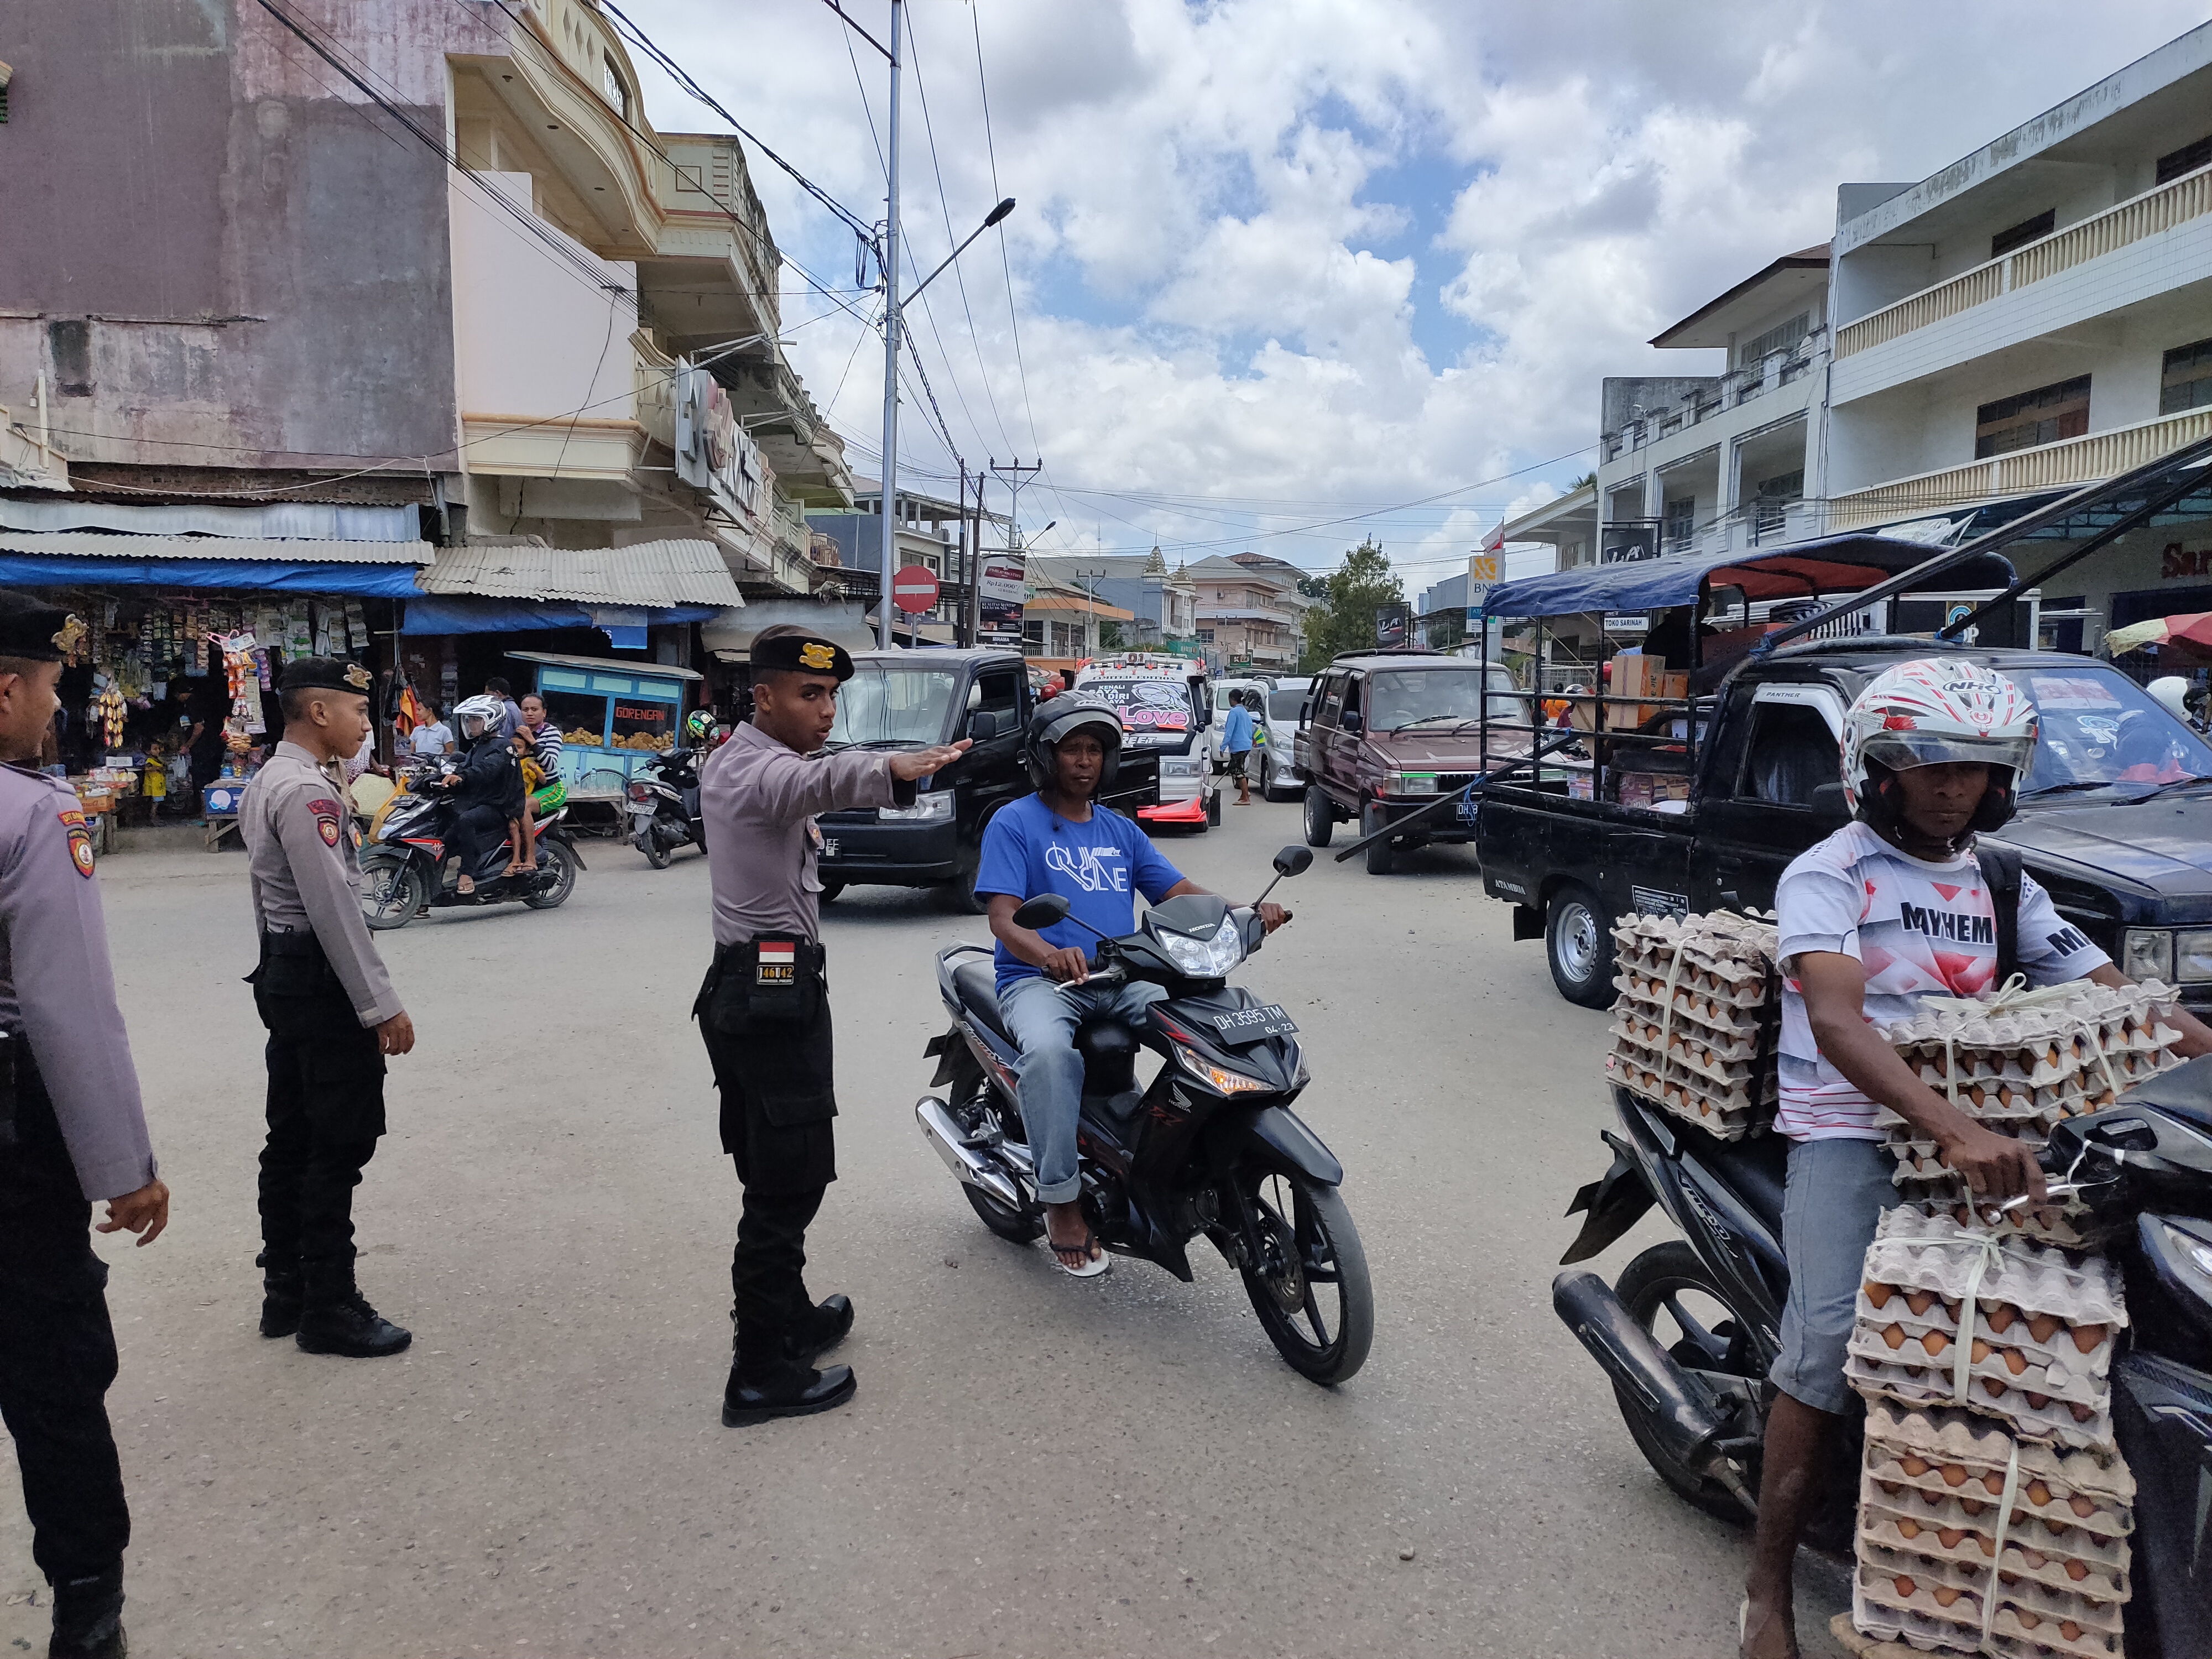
[1894, 907]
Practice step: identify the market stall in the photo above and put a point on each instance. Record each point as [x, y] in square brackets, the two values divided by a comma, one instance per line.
[614, 716]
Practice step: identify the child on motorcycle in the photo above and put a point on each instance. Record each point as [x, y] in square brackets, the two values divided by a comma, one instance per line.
[1893, 908]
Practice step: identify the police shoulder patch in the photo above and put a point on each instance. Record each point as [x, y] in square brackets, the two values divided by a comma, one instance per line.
[80, 839]
[327, 815]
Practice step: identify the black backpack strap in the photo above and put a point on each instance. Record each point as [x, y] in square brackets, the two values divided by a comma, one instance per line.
[2000, 868]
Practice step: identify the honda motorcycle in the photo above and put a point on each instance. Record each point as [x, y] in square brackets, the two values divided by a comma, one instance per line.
[664, 809]
[405, 871]
[1688, 1332]
[1209, 1146]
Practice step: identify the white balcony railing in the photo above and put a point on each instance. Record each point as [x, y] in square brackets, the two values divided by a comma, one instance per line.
[2171, 203]
[1730, 391]
[2069, 461]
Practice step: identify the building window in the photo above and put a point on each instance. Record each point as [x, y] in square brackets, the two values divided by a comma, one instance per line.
[2187, 159]
[2187, 382]
[1682, 519]
[1771, 499]
[2046, 416]
[612, 84]
[1033, 635]
[1205, 634]
[1780, 337]
[2026, 231]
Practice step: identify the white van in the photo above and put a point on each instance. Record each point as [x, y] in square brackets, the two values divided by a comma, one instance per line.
[1166, 710]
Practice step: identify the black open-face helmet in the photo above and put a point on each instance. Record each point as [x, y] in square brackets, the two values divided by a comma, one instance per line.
[1061, 717]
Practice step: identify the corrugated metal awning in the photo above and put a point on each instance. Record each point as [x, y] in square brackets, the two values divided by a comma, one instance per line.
[659, 575]
[83, 545]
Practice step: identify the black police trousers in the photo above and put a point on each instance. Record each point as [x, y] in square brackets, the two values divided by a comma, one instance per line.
[770, 1047]
[326, 1115]
[57, 1346]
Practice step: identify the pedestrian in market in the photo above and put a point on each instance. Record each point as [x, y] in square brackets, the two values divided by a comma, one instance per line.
[331, 1014]
[1237, 731]
[765, 1008]
[72, 1133]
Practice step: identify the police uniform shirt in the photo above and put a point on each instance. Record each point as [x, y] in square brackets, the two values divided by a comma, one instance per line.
[57, 988]
[298, 839]
[757, 798]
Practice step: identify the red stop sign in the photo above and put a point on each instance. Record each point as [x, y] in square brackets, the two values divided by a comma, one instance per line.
[914, 589]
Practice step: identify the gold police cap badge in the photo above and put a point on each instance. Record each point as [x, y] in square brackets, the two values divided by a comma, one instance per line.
[357, 678]
[815, 655]
[69, 636]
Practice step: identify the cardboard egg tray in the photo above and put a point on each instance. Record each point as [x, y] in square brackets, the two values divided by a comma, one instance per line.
[1966, 1572]
[1730, 1115]
[1920, 1620]
[2083, 1040]
[1932, 1187]
[1871, 1368]
[1694, 1026]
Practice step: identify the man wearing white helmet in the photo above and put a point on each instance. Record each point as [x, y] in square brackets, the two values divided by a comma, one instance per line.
[1893, 908]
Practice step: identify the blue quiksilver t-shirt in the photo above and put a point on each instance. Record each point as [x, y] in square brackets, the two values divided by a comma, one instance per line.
[1029, 849]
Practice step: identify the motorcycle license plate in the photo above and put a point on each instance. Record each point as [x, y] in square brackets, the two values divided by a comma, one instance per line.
[1251, 1024]
[829, 847]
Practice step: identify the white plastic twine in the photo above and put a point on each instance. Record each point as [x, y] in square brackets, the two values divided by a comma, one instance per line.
[1997, 1559]
[2015, 996]
[1666, 1012]
[1987, 1254]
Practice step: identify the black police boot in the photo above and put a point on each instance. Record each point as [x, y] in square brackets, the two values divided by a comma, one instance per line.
[280, 1299]
[88, 1617]
[766, 1383]
[336, 1318]
[819, 1329]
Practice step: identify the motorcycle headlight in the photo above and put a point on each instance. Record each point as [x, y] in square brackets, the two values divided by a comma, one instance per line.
[1205, 958]
[1229, 1082]
[935, 807]
[2192, 957]
[2146, 953]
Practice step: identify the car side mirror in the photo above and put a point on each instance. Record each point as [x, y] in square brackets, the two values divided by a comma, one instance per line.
[983, 726]
[1040, 912]
[1294, 861]
[1349, 721]
[1831, 808]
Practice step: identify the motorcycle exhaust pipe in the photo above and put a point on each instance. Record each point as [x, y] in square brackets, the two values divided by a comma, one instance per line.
[1677, 1413]
[964, 1160]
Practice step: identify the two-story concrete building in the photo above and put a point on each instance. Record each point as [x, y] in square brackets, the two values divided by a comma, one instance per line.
[1250, 614]
[1162, 604]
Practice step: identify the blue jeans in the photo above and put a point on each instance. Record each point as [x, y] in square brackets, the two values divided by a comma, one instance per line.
[1041, 1015]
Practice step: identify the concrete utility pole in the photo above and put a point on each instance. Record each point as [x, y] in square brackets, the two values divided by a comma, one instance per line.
[891, 319]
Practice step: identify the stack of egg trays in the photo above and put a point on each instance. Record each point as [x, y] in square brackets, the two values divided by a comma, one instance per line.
[1709, 1057]
[2035, 1065]
[1927, 1539]
[2043, 1331]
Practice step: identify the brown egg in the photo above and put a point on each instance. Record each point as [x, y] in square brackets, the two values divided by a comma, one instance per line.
[1920, 1301]
[2087, 1337]
[2038, 1493]
[2027, 1620]
[1877, 1293]
[2015, 1361]
[1980, 1351]
[1987, 1545]
[2034, 1557]
[2042, 1327]
[2077, 1571]
[1934, 1342]
[2039, 1400]
[2001, 1317]
[2007, 1578]
[2081, 1413]
[1993, 1388]
[1949, 1537]
[2069, 1630]
[1946, 1594]
[1971, 1506]
[1891, 1487]
[1914, 1466]
[1951, 1308]
[2056, 1529]
[1955, 1474]
[1905, 1585]
[1908, 1527]
[1977, 1095]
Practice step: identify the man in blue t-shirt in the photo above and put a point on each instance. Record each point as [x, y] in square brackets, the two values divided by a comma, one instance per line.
[1062, 840]
[1237, 743]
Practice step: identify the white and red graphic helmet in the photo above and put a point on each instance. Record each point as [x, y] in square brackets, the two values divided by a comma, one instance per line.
[1934, 711]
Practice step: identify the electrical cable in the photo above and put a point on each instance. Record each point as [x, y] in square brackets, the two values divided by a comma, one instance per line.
[1005, 261]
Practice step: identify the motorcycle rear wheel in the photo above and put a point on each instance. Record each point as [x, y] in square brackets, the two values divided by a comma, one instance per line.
[659, 856]
[563, 862]
[1310, 1240]
[392, 890]
[1654, 1288]
[1015, 1226]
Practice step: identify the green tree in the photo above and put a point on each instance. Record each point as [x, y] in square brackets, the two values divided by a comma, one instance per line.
[1345, 619]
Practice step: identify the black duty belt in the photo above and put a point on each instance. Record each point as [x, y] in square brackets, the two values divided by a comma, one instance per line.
[294, 964]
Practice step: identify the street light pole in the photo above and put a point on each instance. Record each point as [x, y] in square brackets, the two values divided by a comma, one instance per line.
[891, 320]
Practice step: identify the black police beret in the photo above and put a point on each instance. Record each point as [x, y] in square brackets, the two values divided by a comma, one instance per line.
[32, 632]
[802, 653]
[325, 674]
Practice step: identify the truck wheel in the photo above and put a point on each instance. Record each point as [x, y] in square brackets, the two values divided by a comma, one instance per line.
[1320, 817]
[1579, 943]
[1378, 851]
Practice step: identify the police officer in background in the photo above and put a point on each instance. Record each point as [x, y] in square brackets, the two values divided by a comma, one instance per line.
[764, 1009]
[71, 1133]
[332, 1016]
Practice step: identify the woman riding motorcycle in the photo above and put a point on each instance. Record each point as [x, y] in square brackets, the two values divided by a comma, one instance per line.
[487, 785]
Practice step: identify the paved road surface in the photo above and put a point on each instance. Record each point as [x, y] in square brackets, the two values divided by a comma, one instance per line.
[1033, 1465]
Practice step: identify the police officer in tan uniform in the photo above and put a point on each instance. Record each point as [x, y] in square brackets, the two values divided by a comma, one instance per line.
[71, 1134]
[332, 1016]
[764, 1009]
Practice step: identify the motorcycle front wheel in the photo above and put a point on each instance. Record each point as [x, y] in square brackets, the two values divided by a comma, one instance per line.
[1310, 1287]
[562, 863]
[393, 888]
[1671, 1293]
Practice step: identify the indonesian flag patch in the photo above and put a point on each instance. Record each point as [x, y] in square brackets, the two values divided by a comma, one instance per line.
[778, 964]
[326, 820]
[80, 840]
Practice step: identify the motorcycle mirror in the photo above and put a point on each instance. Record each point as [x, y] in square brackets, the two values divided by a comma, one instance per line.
[1043, 911]
[1294, 861]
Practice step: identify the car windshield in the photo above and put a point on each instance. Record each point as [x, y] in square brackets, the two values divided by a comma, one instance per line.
[882, 707]
[1439, 696]
[2098, 727]
[1144, 705]
[1284, 706]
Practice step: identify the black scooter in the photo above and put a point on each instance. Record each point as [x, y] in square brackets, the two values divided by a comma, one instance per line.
[664, 809]
[1210, 1147]
[403, 868]
[1689, 1333]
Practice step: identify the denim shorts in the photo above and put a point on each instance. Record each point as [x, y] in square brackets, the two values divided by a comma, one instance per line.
[1837, 1192]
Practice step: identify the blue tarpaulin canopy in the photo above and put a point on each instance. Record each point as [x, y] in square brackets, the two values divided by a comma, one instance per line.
[457, 613]
[1832, 566]
[388, 582]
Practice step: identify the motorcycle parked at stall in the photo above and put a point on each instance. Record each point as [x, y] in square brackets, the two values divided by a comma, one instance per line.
[1690, 1330]
[404, 866]
[664, 809]
[1209, 1147]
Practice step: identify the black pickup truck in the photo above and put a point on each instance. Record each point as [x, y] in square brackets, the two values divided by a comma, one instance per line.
[2115, 819]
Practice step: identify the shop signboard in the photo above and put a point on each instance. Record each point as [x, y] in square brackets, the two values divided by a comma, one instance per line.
[1001, 586]
[1392, 624]
[614, 716]
[713, 452]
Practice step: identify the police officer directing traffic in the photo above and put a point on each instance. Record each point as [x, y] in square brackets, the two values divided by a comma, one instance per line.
[71, 1133]
[764, 1009]
[332, 1016]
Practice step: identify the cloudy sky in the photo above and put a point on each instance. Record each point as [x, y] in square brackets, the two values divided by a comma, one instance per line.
[1282, 266]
